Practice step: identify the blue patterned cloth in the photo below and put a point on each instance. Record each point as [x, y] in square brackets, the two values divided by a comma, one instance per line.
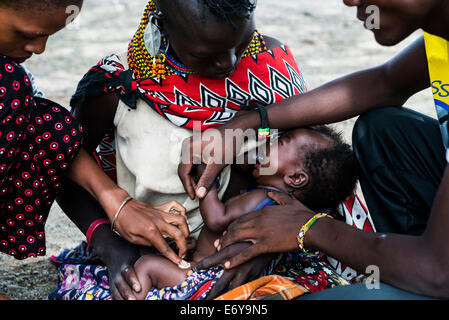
[81, 277]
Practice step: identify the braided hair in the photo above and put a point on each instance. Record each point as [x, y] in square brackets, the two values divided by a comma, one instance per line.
[227, 9]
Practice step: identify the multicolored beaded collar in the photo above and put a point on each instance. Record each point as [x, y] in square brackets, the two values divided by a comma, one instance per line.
[144, 66]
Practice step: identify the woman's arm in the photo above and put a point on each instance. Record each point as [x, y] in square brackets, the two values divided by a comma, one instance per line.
[389, 84]
[138, 222]
[78, 204]
[392, 83]
[96, 116]
[118, 254]
[415, 263]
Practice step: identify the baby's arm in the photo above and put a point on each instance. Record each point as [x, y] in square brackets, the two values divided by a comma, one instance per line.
[218, 215]
[213, 211]
[155, 271]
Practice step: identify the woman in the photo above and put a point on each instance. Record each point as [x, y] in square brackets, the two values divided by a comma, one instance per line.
[402, 155]
[191, 65]
[40, 142]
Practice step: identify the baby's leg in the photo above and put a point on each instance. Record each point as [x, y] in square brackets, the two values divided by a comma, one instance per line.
[205, 244]
[157, 271]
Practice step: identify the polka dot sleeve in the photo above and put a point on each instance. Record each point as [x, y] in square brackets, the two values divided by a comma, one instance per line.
[38, 141]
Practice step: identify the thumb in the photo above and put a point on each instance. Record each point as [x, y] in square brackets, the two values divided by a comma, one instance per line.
[207, 179]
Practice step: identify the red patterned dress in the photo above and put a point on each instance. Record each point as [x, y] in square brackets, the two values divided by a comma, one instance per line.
[38, 141]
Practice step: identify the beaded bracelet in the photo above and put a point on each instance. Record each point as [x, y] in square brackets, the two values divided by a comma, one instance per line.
[305, 228]
[264, 130]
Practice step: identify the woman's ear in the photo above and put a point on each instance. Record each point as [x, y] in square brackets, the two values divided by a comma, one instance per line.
[298, 179]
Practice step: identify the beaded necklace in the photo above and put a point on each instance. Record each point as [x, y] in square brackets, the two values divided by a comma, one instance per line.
[144, 66]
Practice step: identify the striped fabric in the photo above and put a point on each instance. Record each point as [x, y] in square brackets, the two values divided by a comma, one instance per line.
[272, 287]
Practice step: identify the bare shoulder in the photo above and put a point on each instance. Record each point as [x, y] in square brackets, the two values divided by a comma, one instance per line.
[271, 42]
[247, 201]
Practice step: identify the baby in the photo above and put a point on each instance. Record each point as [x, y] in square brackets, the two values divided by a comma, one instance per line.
[314, 166]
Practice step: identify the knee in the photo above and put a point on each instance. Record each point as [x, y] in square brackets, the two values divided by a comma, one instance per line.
[375, 125]
[376, 120]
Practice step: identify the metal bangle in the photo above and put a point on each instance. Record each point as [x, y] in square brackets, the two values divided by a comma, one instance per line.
[117, 214]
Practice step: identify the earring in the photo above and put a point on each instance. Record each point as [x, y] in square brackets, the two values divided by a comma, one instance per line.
[152, 36]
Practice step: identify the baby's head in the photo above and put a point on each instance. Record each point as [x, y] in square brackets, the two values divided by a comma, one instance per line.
[314, 165]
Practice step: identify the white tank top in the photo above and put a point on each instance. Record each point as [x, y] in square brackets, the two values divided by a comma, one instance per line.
[148, 151]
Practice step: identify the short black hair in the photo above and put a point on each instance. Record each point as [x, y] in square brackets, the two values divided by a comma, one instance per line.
[333, 172]
[38, 4]
[227, 9]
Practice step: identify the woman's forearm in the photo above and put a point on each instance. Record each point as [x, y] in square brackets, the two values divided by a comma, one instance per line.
[79, 205]
[401, 260]
[413, 263]
[336, 101]
[86, 173]
[391, 84]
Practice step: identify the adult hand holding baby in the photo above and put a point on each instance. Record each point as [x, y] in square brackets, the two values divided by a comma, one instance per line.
[138, 222]
[214, 149]
[269, 230]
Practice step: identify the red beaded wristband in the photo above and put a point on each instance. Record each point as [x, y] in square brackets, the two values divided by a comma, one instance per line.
[94, 225]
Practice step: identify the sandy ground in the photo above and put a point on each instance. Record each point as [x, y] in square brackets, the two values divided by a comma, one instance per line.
[327, 39]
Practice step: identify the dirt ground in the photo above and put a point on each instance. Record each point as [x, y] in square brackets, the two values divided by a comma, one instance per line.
[325, 36]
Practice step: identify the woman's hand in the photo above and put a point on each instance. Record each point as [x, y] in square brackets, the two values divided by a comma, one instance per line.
[122, 276]
[119, 257]
[145, 225]
[269, 230]
[240, 275]
[215, 148]
[138, 222]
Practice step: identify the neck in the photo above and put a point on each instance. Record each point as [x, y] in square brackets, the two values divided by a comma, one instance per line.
[436, 23]
[274, 184]
[264, 186]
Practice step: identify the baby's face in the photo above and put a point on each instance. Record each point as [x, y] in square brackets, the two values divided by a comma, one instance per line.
[288, 151]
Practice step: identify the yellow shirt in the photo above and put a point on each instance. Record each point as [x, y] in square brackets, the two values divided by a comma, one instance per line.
[437, 50]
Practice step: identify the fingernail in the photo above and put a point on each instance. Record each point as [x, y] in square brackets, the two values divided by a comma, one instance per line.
[217, 243]
[136, 288]
[227, 264]
[184, 265]
[131, 298]
[219, 248]
[201, 192]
